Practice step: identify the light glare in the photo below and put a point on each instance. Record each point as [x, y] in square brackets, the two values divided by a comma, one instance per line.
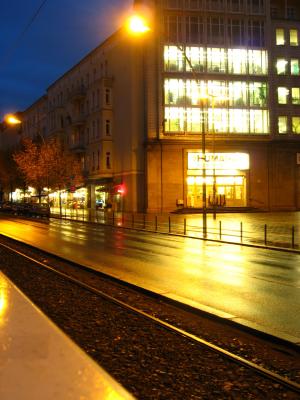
[137, 25]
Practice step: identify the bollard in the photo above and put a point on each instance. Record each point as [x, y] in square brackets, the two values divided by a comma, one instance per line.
[265, 234]
[83, 214]
[155, 223]
[241, 232]
[132, 220]
[184, 226]
[122, 219]
[220, 229]
[144, 221]
[169, 224]
[113, 218]
[293, 237]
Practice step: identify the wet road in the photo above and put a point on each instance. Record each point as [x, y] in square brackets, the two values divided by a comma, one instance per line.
[252, 286]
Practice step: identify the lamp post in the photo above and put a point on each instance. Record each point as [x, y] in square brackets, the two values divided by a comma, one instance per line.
[138, 26]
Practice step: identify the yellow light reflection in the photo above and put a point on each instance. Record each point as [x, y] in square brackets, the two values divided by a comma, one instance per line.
[3, 299]
[137, 25]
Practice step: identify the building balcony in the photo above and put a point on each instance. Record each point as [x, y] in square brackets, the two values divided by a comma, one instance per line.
[75, 120]
[77, 147]
[77, 94]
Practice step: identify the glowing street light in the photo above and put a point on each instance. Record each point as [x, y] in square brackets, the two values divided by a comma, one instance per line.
[11, 119]
[137, 25]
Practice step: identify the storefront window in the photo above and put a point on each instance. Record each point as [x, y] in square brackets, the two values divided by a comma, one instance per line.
[280, 40]
[296, 125]
[294, 37]
[282, 124]
[281, 66]
[296, 96]
[283, 93]
[295, 66]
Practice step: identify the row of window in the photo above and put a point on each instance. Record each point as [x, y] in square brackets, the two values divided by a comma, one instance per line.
[92, 161]
[288, 96]
[214, 30]
[93, 131]
[216, 120]
[285, 66]
[286, 124]
[215, 60]
[283, 37]
[182, 92]
[250, 6]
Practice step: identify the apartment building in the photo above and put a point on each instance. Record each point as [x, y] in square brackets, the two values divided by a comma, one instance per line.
[207, 100]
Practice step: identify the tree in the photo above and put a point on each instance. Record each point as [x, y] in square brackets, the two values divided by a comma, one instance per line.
[48, 165]
[9, 176]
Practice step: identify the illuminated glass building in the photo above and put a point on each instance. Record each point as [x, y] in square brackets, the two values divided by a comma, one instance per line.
[230, 69]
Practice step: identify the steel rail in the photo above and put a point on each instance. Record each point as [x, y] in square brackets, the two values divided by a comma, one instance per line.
[294, 386]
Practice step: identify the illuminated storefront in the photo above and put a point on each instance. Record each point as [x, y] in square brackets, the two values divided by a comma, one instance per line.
[227, 172]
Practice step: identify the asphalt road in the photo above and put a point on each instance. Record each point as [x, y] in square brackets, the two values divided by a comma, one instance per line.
[257, 287]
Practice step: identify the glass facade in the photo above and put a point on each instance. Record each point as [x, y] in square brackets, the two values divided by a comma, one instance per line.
[215, 106]
[216, 60]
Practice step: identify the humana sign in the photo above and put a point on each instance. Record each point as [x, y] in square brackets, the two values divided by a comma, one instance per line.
[218, 161]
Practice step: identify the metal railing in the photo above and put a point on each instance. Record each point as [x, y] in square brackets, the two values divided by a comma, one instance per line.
[250, 233]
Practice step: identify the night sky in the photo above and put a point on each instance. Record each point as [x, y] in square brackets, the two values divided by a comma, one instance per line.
[63, 32]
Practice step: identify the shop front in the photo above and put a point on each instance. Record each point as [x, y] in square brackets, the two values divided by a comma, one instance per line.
[223, 175]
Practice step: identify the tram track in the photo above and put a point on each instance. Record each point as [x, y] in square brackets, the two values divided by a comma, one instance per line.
[195, 339]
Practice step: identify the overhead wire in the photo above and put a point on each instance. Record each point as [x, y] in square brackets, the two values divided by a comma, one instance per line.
[8, 54]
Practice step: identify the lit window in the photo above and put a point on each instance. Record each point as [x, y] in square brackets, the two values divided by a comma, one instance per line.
[296, 125]
[193, 120]
[258, 62]
[239, 121]
[173, 59]
[258, 94]
[283, 93]
[174, 119]
[238, 94]
[293, 37]
[295, 70]
[282, 124]
[216, 60]
[281, 66]
[296, 96]
[175, 92]
[197, 57]
[218, 120]
[280, 40]
[259, 121]
[237, 61]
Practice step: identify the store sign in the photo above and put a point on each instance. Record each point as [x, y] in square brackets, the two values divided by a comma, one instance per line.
[219, 161]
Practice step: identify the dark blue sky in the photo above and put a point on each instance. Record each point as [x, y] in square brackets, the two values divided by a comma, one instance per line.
[63, 32]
